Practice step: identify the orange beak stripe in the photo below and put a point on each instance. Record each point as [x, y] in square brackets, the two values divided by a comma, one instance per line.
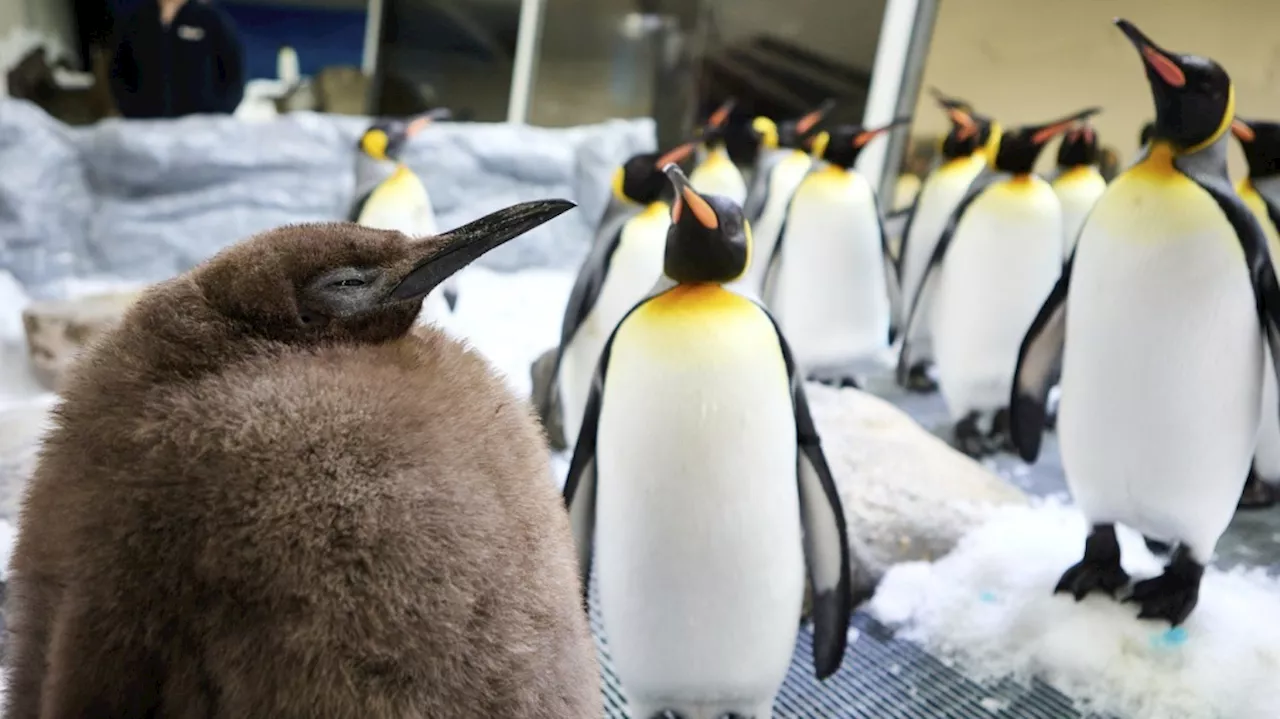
[701, 210]
[675, 154]
[1243, 132]
[808, 121]
[1045, 134]
[1164, 67]
[721, 114]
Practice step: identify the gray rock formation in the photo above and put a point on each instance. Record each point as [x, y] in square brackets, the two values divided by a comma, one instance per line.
[144, 200]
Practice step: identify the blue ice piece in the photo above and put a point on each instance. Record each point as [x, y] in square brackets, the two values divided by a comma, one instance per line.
[1172, 637]
[988, 597]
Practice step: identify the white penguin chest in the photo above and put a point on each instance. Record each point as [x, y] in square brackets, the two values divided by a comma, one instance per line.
[1078, 189]
[1002, 262]
[1162, 368]
[717, 175]
[941, 192]
[829, 293]
[697, 500]
[400, 203]
[784, 178]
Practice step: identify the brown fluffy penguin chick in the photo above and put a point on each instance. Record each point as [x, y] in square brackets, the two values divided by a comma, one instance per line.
[267, 494]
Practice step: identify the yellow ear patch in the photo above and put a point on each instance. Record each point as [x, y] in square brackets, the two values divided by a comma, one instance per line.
[819, 146]
[374, 143]
[616, 185]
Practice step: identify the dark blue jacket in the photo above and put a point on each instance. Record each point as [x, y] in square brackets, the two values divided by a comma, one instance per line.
[194, 65]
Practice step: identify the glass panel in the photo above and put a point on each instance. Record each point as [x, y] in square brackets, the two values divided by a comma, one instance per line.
[452, 53]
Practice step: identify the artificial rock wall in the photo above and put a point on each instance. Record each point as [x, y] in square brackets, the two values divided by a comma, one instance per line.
[145, 200]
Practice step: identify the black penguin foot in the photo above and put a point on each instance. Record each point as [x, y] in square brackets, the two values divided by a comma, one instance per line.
[1172, 595]
[1257, 494]
[1000, 439]
[1100, 568]
[1156, 546]
[918, 379]
[967, 438]
[839, 381]
[667, 714]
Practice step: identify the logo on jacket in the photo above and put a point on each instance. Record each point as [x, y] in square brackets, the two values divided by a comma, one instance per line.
[188, 32]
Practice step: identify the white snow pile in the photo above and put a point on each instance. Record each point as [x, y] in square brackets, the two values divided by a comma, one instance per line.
[989, 608]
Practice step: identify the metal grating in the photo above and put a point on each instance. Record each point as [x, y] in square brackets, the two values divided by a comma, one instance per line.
[881, 678]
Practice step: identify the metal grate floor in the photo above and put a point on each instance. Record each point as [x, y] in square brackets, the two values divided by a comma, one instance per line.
[881, 678]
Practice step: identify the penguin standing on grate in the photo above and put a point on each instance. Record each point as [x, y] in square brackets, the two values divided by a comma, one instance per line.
[701, 525]
[1158, 324]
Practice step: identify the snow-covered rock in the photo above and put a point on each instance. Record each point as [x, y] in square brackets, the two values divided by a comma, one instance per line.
[988, 607]
[57, 330]
[907, 495]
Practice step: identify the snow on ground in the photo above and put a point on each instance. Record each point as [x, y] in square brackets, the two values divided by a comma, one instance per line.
[989, 607]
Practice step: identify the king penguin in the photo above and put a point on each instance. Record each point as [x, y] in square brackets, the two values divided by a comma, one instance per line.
[1261, 192]
[267, 493]
[715, 173]
[966, 152]
[996, 261]
[1077, 181]
[828, 280]
[700, 486]
[389, 196]
[1170, 294]
[783, 164]
[622, 267]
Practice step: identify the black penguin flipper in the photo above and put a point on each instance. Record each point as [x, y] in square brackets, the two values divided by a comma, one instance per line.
[358, 207]
[975, 190]
[586, 288]
[1253, 240]
[758, 193]
[580, 482]
[1039, 365]
[906, 232]
[826, 534]
[775, 258]
[891, 274]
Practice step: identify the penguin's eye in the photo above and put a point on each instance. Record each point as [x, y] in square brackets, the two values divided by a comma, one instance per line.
[350, 282]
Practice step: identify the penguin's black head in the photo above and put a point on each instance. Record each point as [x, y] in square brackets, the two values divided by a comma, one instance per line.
[386, 138]
[1144, 137]
[842, 144]
[338, 281]
[1261, 143]
[1019, 148]
[641, 179]
[1193, 95]
[712, 133]
[1079, 147]
[791, 134]
[709, 241]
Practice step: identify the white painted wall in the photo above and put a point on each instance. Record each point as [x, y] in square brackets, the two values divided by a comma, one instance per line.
[1024, 61]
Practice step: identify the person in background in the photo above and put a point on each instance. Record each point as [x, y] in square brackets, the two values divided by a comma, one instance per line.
[175, 58]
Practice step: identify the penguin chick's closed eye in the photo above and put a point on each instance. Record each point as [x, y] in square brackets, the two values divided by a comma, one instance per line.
[265, 495]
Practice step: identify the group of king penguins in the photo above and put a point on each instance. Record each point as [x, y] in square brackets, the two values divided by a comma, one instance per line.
[707, 300]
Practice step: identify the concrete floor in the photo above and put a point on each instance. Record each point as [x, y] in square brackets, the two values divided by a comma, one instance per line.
[1252, 540]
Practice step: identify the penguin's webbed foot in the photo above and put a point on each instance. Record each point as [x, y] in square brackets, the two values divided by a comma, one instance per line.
[918, 379]
[1172, 595]
[1257, 494]
[967, 438]
[838, 381]
[1100, 568]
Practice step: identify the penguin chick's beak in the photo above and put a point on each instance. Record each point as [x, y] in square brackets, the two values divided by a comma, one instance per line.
[1165, 67]
[445, 254]
[1047, 132]
[686, 195]
[677, 154]
[1242, 131]
[862, 138]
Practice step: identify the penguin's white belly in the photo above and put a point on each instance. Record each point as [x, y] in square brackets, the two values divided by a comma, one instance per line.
[830, 295]
[698, 543]
[1078, 191]
[1162, 366]
[1003, 260]
[942, 191]
[783, 181]
[406, 207]
[634, 268]
[719, 177]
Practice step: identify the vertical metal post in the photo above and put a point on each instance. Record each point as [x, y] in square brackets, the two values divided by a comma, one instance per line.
[905, 33]
[526, 60]
[372, 37]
